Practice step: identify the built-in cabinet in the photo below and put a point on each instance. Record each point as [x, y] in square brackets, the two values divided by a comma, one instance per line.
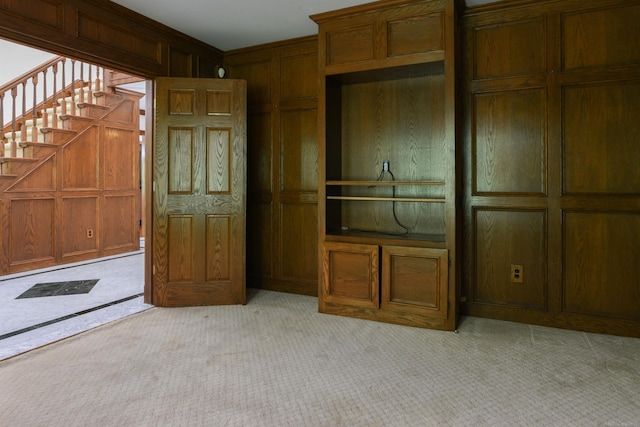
[387, 163]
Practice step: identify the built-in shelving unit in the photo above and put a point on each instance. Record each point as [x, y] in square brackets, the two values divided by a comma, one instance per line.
[388, 182]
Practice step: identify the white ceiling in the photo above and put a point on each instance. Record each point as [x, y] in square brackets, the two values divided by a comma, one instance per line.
[235, 24]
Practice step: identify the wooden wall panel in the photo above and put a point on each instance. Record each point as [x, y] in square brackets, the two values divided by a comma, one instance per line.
[350, 45]
[259, 152]
[181, 242]
[601, 254]
[258, 75]
[218, 247]
[126, 112]
[573, 199]
[208, 67]
[292, 68]
[414, 35]
[43, 178]
[606, 37]
[79, 225]
[504, 238]
[42, 12]
[593, 114]
[218, 160]
[80, 161]
[121, 159]
[181, 149]
[31, 230]
[299, 150]
[92, 188]
[260, 237]
[110, 35]
[103, 32]
[119, 222]
[180, 63]
[509, 146]
[299, 247]
[282, 163]
[506, 49]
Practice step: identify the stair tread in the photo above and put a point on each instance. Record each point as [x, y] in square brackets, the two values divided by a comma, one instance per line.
[36, 144]
[17, 159]
[91, 105]
[52, 129]
[69, 116]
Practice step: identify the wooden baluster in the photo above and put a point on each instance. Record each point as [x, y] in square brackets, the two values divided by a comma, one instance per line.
[14, 125]
[73, 87]
[45, 113]
[98, 86]
[23, 124]
[90, 93]
[34, 110]
[54, 103]
[63, 110]
[82, 82]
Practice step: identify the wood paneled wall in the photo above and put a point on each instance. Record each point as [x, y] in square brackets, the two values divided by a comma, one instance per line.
[282, 217]
[551, 90]
[103, 32]
[81, 200]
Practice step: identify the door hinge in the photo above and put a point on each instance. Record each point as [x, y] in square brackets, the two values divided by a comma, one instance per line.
[154, 186]
[153, 269]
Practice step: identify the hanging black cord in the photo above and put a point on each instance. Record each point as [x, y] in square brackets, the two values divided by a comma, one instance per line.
[395, 216]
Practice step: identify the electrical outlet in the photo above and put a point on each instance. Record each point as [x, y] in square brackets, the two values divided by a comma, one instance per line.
[89, 233]
[385, 165]
[517, 273]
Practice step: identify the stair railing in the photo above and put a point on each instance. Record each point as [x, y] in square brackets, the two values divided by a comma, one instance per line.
[49, 87]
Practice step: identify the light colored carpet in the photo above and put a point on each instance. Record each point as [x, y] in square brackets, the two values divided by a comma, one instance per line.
[278, 362]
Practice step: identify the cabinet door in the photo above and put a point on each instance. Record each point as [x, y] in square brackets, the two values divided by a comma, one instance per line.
[414, 280]
[350, 274]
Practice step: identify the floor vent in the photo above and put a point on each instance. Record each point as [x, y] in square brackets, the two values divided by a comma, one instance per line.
[59, 288]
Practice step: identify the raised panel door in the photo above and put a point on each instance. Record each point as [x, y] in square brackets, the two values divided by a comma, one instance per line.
[199, 192]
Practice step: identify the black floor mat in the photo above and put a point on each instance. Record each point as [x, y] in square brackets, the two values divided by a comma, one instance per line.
[59, 288]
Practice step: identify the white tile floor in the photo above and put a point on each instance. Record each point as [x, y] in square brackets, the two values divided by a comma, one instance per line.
[33, 322]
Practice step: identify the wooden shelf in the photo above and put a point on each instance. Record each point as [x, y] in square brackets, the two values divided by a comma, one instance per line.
[387, 199]
[383, 183]
[377, 238]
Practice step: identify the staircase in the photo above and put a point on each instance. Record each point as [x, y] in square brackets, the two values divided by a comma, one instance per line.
[45, 107]
[69, 154]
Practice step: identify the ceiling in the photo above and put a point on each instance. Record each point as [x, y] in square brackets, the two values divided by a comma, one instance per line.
[236, 24]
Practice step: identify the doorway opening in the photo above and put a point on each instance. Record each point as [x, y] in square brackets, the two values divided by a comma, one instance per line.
[52, 300]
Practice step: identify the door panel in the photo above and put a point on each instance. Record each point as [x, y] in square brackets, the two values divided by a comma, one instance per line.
[199, 172]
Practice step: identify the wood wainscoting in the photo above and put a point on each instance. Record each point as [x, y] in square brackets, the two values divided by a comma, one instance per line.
[551, 93]
[81, 198]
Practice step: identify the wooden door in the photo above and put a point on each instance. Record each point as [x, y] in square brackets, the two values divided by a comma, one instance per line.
[199, 200]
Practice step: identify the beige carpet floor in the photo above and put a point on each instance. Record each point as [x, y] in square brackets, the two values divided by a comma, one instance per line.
[278, 362]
